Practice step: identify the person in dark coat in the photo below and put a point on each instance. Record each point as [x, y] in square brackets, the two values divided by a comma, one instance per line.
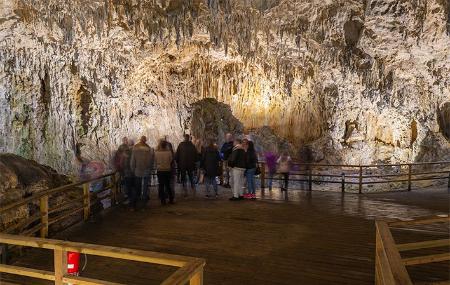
[210, 164]
[186, 157]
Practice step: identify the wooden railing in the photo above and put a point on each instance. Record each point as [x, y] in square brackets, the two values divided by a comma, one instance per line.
[46, 216]
[390, 267]
[191, 269]
[361, 175]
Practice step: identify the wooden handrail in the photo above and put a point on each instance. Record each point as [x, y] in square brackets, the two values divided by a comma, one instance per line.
[191, 269]
[390, 267]
[49, 192]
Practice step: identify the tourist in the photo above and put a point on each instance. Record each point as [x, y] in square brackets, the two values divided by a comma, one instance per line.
[122, 165]
[186, 157]
[210, 164]
[173, 165]
[271, 162]
[225, 151]
[284, 167]
[142, 161]
[163, 161]
[237, 162]
[250, 169]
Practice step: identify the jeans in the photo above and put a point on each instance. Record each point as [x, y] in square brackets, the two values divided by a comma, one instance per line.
[140, 191]
[189, 173]
[164, 186]
[127, 184]
[250, 175]
[209, 181]
[238, 181]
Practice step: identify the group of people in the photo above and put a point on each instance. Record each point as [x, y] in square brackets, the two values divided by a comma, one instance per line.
[236, 162]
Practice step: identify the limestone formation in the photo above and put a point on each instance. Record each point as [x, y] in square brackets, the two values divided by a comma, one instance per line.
[93, 71]
[20, 178]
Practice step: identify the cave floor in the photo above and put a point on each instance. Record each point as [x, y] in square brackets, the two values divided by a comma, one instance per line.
[309, 238]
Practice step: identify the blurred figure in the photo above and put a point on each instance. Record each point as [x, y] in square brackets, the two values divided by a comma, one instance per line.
[251, 162]
[142, 161]
[237, 162]
[225, 151]
[210, 164]
[271, 162]
[186, 157]
[122, 164]
[163, 160]
[284, 167]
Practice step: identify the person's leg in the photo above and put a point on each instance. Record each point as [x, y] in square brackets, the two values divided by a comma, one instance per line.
[241, 182]
[183, 177]
[286, 180]
[214, 183]
[145, 191]
[161, 186]
[134, 192]
[251, 181]
[191, 178]
[221, 169]
[270, 181]
[236, 182]
[170, 191]
[227, 174]
[207, 183]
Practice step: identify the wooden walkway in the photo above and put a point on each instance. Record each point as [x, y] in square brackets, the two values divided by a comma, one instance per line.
[309, 238]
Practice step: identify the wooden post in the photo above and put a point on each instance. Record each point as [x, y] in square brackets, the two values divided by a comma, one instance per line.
[86, 201]
[360, 179]
[263, 175]
[343, 183]
[310, 178]
[60, 260]
[197, 279]
[44, 215]
[409, 176]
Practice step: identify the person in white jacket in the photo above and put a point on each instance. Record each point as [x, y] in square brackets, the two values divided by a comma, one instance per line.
[284, 167]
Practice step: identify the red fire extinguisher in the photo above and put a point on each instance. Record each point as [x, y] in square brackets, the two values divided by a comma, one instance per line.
[73, 263]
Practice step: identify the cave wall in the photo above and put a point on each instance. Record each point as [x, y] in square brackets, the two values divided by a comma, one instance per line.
[91, 72]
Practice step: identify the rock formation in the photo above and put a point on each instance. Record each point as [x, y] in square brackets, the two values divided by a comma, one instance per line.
[360, 80]
[20, 178]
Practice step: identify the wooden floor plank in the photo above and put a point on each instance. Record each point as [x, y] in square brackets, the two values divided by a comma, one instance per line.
[312, 238]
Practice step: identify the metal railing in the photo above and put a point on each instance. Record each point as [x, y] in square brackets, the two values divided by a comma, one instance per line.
[390, 267]
[190, 269]
[360, 175]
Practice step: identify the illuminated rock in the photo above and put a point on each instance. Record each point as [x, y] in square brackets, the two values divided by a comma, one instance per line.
[92, 72]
